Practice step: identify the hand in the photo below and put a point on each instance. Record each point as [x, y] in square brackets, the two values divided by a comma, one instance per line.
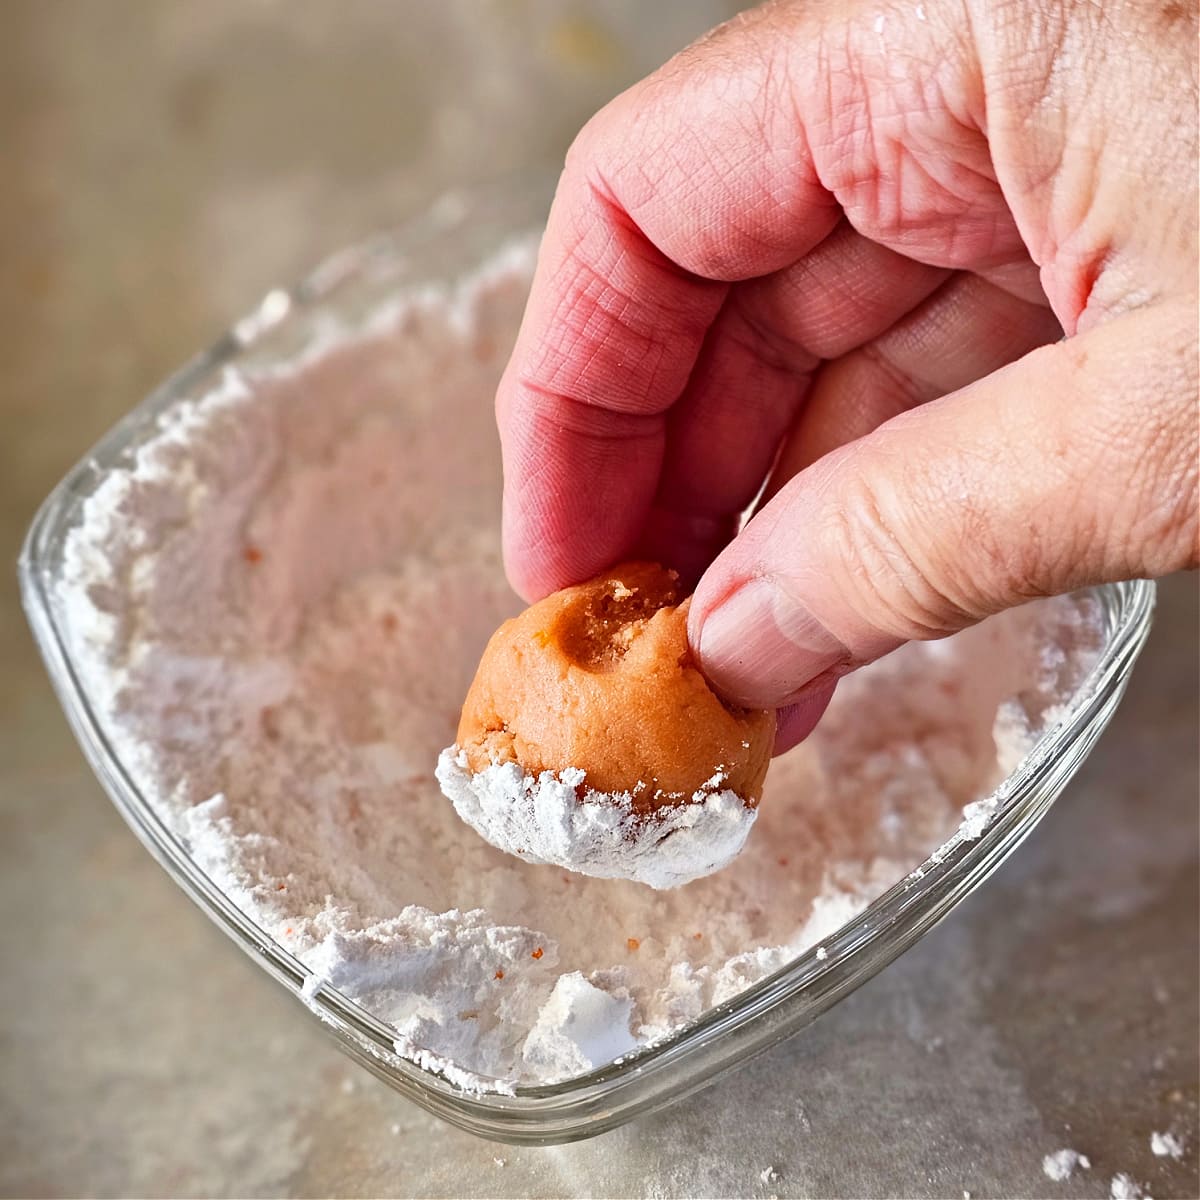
[836, 245]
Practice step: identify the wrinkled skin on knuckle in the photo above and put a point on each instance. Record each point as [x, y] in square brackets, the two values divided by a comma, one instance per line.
[710, 132]
[995, 564]
[970, 523]
[1093, 124]
[886, 127]
[890, 574]
[895, 131]
[1153, 495]
[1091, 119]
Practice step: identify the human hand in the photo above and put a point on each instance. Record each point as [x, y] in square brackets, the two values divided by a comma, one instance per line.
[835, 244]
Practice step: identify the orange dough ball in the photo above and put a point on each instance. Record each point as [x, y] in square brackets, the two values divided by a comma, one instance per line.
[600, 677]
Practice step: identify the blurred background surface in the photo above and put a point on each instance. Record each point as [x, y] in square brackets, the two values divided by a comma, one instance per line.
[164, 164]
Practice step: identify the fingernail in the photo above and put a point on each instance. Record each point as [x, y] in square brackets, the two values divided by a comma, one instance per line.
[760, 646]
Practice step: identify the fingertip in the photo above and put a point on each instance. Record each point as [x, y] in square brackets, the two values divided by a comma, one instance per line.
[533, 559]
[795, 721]
[520, 580]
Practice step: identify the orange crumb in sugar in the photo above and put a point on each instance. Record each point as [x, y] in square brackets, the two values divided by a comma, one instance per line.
[252, 554]
[268, 719]
[632, 943]
[499, 973]
[536, 953]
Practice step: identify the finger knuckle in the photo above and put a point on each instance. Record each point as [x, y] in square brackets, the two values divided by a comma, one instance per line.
[893, 574]
[1152, 495]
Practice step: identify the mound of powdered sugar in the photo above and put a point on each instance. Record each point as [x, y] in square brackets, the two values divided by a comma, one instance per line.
[277, 608]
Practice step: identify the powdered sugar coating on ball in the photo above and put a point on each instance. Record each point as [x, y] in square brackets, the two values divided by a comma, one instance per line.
[555, 818]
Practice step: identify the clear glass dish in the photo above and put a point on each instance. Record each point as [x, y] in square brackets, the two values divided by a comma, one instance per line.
[456, 234]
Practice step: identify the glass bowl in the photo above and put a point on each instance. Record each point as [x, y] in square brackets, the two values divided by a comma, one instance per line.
[458, 232]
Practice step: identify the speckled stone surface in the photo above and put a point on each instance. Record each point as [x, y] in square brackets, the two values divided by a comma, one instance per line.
[163, 165]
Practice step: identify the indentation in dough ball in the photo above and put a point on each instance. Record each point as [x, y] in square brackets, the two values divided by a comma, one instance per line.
[598, 628]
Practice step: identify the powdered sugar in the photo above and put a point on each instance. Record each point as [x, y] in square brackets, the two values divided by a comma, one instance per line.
[276, 608]
[579, 1027]
[1125, 1187]
[1062, 1164]
[1166, 1145]
[976, 816]
[545, 820]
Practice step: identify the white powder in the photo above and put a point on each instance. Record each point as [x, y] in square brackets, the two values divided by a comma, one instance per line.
[1123, 1187]
[1166, 1145]
[277, 608]
[1062, 1164]
[579, 1026]
[544, 820]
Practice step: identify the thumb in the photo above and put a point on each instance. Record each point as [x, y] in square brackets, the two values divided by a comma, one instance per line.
[1074, 465]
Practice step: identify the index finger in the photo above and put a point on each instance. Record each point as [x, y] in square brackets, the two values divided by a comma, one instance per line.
[696, 177]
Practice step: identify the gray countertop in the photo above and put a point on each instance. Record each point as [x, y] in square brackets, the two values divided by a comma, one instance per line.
[164, 164]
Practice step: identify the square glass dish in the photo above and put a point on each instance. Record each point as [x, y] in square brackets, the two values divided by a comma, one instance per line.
[347, 293]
